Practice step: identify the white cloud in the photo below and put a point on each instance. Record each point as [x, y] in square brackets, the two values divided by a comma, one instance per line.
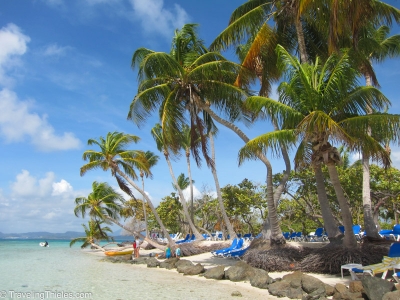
[55, 50]
[28, 186]
[196, 193]
[17, 122]
[13, 44]
[155, 18]
[61, 187]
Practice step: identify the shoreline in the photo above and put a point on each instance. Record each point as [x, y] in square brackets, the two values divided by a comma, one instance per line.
[246, 289]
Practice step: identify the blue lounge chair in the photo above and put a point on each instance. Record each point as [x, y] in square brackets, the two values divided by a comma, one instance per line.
[286, 235]
[234, 245]
[357, 232]
[186, 239]
[238, 253]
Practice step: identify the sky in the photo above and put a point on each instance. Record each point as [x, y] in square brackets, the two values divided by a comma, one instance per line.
[65, 77]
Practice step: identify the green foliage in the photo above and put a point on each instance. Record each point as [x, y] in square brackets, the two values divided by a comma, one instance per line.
[170, 213]
[94, 233]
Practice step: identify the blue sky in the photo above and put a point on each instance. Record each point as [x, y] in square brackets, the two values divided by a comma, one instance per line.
[65, 77]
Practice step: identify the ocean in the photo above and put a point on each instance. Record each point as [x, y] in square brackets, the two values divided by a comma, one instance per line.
[28, 271]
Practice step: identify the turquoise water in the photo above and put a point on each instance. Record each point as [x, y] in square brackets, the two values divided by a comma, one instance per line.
[28, 271]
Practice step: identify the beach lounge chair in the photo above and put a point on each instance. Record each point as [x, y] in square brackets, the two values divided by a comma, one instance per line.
[186, 239]
[247, 236]
[318, 236]
[357, 232]
[286, 235]
[389, 262]
[236, 253]
[236, 244]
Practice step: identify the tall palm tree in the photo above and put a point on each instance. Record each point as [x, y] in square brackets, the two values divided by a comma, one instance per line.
[321, 103]
[162, 146]
[186, 145]
[152, 160]
[192, 85]
[113, 156]
[228, 224]
[373, 46]
[94, 233]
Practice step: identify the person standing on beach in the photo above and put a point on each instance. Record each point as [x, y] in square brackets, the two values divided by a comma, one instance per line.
[136, 247]
[167, 252]
[178, 252]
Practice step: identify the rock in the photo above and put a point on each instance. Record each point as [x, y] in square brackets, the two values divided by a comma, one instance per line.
[392, 295]
[236, 294]
[356, 286]
[294, 279]
[375, 287]
[169, 263]
[183, 265]
[140, 261]
[279, 288]
[313, 286]
[217, 273]
[152, 262]
[340, 288]
[260, 279]
[329, 290]
[239, 272]
[193, 270]
[295, 293]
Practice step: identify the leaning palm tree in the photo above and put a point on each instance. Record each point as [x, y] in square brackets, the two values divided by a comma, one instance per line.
[113, 156]
[94, 233]
[152, 160]
[194, 82]
[320, 104]
[162, 146]
[103, 203]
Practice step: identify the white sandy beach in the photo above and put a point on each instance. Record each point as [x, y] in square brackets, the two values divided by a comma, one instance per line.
[247, 291]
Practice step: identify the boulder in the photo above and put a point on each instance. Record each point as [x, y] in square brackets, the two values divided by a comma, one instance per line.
[392, 295]
[140, 261]
[236, 294]
[313, 286]
[375, 287]
[217, 273]
[183, 265]
[152, 262]
[260, 279]
[239, 272]
[356, 286]
[279, 288]
[169, 263]
[294, 279]
[193, 270]
[329, 290]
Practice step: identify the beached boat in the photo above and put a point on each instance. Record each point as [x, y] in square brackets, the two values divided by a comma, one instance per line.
[115, 253]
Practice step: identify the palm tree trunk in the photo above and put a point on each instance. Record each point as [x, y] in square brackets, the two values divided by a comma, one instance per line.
[144, 211]
[134, 233]
[330, 225]
[97, 247]
[276, 234]
[196, 233]
[369, 225]
[231, 232]
[156, 215]
[349, 237]
[301, 41]
[191, 187]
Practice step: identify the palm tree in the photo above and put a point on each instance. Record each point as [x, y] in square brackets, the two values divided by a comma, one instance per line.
[157, 134]
[113, 156]
[373, 46]
[191, 82]
[186, 145]
[94, 233]
[152, 160]
[321, 103]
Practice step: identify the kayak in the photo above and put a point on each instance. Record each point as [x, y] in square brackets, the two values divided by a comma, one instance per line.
[115, 253]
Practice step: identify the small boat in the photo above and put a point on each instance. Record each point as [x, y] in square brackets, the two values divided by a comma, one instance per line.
[115, 253]
[42, 244]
